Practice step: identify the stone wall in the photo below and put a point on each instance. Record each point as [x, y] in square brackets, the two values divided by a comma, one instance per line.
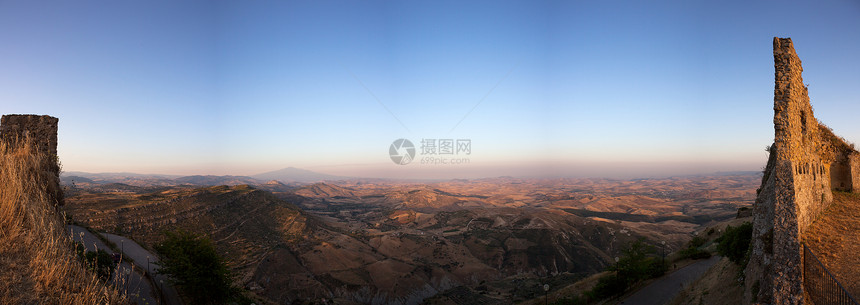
[806, 161]
[42, 130]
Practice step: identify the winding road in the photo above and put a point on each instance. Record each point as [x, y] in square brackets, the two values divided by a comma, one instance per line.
[147, 261]
[126, 277]
[664, 289]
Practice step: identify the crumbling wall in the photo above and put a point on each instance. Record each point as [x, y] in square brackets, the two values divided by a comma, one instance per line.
[806, 161]
[42, 131]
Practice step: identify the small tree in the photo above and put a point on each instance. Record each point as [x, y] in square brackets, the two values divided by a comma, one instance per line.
[636, 263]
[735, 242]
[194, 265]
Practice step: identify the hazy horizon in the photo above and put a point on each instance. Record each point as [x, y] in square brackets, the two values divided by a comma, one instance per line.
[632, 171]
[536, 88]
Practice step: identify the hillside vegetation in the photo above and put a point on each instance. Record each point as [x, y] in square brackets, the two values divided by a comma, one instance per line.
[37, 261]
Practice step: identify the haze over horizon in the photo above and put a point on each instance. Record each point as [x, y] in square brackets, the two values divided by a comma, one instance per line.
[540, 89]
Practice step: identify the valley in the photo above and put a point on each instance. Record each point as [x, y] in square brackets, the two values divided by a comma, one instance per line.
[494, 240]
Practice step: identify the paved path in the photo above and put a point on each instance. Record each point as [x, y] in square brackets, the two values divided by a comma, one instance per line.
[130, 281]
[665, 288]
[147, 261]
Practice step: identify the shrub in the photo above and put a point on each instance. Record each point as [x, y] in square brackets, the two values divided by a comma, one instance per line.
[699, 241]
[99, 262]
[734, 242]
[692, 251]
[569, 301]
[607, 286]
[635, 264]
[190, 259]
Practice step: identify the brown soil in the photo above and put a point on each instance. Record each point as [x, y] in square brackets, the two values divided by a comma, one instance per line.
[835, 240]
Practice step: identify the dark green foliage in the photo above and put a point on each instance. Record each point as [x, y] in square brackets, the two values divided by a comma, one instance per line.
[693, 252]
[191, 261]
[569, 301]
[607, 286]
[99, 262]
[735, 242]
[698, 241]
[637, 263]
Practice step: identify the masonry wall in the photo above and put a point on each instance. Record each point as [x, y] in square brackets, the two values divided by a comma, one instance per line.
[42, 130]
[806, 161]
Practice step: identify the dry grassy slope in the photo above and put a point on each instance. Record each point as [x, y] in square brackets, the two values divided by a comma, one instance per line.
[37, 264]
[835, 239]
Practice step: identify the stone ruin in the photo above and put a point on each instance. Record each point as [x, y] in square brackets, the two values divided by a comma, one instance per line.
[807, 160]
[42, 130]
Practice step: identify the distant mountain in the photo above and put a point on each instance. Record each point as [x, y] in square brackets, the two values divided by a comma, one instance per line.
[138, 180]
[144, 180]
[75, 179]
[114, 176]
[210, 180]
[292, 174]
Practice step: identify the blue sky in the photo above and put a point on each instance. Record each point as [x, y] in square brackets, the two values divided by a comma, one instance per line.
[574, 88]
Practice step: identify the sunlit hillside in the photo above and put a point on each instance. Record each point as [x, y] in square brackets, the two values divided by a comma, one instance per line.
[37, 263]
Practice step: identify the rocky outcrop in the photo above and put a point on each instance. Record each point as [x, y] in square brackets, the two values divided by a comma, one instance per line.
[806, 161]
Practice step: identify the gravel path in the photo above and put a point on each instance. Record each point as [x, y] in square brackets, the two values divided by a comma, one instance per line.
[664, 289]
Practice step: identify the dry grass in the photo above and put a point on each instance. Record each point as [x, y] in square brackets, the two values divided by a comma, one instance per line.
[37, 264]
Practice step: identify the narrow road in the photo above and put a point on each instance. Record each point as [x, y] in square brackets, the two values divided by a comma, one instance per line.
[125, 277]
[664, 289]
[147, 261]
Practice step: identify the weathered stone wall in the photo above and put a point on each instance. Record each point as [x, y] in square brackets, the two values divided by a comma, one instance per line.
[42, 129]
[806, 161]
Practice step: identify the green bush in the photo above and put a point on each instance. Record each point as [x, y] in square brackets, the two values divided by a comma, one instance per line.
[692, 251]
[607, 286]
[695, 253]
[636, 263]
[99, 262]
[735, 242]
[569, 301]
[698, 241]
[191, 261]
